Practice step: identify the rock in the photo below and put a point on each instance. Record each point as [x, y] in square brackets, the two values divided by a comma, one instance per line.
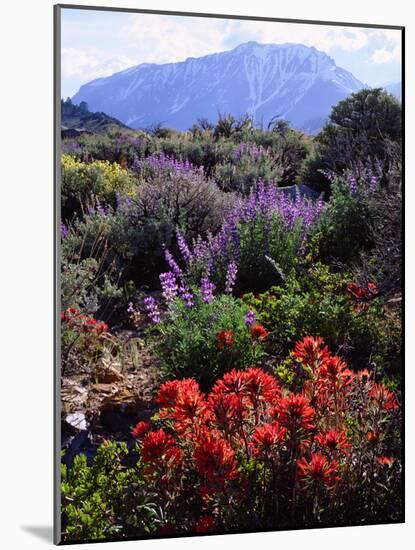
[77, 420]
[74, 132]
[121, 400]
[107, 373]
[73, 394]
[301, 189]
[104, 388]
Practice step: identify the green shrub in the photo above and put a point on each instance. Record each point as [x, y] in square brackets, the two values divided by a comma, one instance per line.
[122, 147]
[189, 342]
[365, 125]
[91, 269]
[242, 173]
[344, 226]
[147, 223]
[319, 303]
[128, 241]
[107, 499]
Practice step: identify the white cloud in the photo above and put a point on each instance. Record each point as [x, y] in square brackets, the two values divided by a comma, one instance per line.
[162, 39]
[90, 64]
[325, 38]
[386, 55]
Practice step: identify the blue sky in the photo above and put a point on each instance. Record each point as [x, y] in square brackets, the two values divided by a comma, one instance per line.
[100, 43]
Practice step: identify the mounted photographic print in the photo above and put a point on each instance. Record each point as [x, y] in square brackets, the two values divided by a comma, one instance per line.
[229, 353]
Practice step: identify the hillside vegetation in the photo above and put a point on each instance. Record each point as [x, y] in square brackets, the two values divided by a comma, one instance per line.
[79, 116]
[231, 348]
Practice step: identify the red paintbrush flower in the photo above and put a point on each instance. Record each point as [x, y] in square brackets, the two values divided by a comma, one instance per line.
[384, 398]
[159, 447]
[190, 411]
[334, 440]
[258, 332]
[385, 460]
[225, 339]
[140, 429]
[169, 391]
[294, 413]
[266, 437]
[215, 458]
[155, 445]
[363, 375]
[357, 291]
[334, 374]
[311, 351]
[232, 382]
[318, 469]
[227, 410]
[104, 327]
[261, 387]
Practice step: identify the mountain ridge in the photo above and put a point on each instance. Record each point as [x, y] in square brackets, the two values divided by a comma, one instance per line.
[291, 81]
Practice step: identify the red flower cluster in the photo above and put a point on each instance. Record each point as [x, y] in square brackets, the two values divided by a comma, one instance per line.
[266, 438]
[225, 339]
[334, 440]
[318, 469]
[311, 351]
[258, 332]
[329, 378]
[160, 453]
[295, 413]
[74, 319]
[384, 398]
[373, 436]
[141, 429]
[215, 442]
[184, 404]
[385, 460]
[215, 458]
[361, 293]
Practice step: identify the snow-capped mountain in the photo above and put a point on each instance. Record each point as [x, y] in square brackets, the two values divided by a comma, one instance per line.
[289, 81]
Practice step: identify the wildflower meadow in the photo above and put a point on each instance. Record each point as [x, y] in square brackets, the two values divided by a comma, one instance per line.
[231, 311]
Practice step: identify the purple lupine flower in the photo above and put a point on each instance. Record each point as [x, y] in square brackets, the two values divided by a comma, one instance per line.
[231, 277]
[173, 264]
[161, 163]
[169, 286]
[374, 182]
[64, 231]
[250, 318]
[183, 247]
[186, 296]
[206, 289]
[152, 309]
[264, 202]
[352, 184]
